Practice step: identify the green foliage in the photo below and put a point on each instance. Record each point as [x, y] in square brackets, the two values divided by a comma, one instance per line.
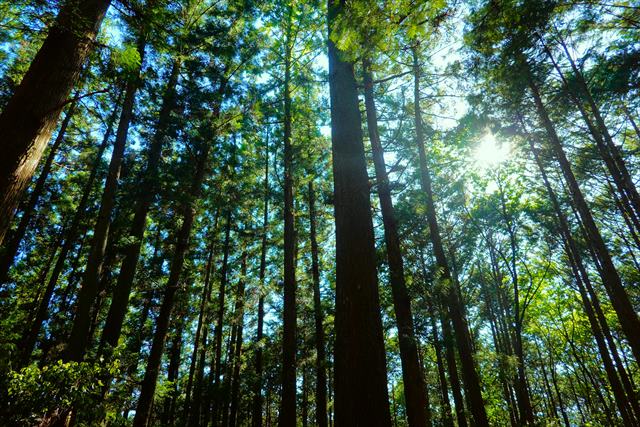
[34, 391]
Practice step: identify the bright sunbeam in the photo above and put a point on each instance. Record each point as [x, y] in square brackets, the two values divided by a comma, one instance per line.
[490, 153]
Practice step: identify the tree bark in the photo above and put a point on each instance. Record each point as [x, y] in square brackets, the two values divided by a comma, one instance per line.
[446, 420]
[256, 417]
[216, 367]
[455, 308]
[202, 328]
[30, 115]
[361, 396]
[143, 410]
[29, 340]
[288, 399]
[80, 337]
[147, 191]
[11, 249]
[416, 397]
[318, 317]
[627, 316]
[629, 201]
[237, 362]
[169, 410]
[581, 276]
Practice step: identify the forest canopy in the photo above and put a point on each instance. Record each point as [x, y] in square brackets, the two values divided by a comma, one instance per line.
[345, 213]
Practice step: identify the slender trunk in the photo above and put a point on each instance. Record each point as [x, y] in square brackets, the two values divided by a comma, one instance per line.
[11, 249]
[256, 417]
[581, 277]
[552, 410]
[202, 328]
[522, 391]
[563, 411]
[216, 367]
[452, 297]
[141, 334]
[627, 316]
[79, 338]
[237, 362]
[318, 316]
[416, 398]
[361, 396]
[29, 340]
[147, 191]
[143, 410]
[634, 125]
[169, 410]
[288, 399]
[629, 199]
[447, 420]
[452, 367]
[608, 150]
[37, 102]
[304, 406]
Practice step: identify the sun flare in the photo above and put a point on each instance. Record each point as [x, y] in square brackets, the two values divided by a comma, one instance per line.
[490, 152]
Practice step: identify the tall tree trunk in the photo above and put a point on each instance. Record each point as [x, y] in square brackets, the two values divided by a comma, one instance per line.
[147, 391]
[8, 256]
[29, 339]
[361, 396]
[522, 390]
[288, 399]
[447, 420]
[256, 417]
[304, 406]
[416, 398]
[169, 410]
[581, 276]
[452, 367]
[613, 284]
[237, 362]
[147, 190]
[202, 328]
[79, 338]
[37, 102]
[452, 297]
[629, 201]
[318, 317]
[608, 150]
[216, 367]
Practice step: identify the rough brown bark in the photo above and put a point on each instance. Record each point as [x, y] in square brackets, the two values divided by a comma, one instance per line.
[416, 398]
[29, 339]
[8, 255]
[37, 102]
[361, 396]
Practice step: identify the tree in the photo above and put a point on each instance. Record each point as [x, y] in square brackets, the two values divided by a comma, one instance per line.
[41, 96]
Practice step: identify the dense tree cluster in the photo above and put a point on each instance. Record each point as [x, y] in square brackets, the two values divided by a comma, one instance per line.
[353, 213]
